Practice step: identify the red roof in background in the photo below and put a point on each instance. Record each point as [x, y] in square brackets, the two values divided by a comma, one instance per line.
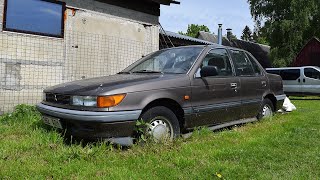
[309, 55]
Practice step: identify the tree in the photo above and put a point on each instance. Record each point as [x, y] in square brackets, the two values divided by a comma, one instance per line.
[194, 29]
[232, 36]
[247, 34]
[288, 25]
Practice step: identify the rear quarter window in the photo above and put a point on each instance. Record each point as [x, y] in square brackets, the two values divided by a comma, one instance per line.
[312, 73]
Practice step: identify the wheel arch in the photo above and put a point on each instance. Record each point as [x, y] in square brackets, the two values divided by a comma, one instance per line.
[171, 104]
[273, 99]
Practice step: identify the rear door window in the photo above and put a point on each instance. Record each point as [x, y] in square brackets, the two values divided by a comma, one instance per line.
[256, 67]
[290, 74]
[242, 63]
[312, 73]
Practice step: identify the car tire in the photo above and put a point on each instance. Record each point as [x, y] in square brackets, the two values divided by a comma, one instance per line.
[162, 123]
[266, 109]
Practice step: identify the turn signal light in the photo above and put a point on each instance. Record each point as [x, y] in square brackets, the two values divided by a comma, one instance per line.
[109, 101]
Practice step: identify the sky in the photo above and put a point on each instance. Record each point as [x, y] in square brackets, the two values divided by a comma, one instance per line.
[234, 14]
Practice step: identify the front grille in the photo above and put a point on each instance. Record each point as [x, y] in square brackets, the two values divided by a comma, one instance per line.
[58, 99]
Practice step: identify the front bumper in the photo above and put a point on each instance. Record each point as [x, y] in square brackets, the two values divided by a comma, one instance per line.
[118, 127]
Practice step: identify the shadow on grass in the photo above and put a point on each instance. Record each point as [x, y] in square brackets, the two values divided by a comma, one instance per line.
[70, 140]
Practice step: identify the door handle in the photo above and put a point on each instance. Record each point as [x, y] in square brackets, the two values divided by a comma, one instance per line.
[234, 85]
[304, 80]
[299, 80]
[264, 83]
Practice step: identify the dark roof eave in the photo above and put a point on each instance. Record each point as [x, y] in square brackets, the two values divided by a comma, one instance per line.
[166, 2]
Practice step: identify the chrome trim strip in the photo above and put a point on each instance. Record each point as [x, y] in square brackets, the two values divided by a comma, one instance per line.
[89, 115]
[188, 110]
[217, 106]
[281, 97]
[213, 107]
[253, 101]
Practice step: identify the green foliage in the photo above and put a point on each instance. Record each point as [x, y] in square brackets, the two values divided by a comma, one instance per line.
[140, 130]
[22, 113]
[194, 29]
[232, 36]
[285, 147]
[288, 25]
[247, 34]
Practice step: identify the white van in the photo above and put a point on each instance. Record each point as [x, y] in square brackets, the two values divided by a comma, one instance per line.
[299, 80]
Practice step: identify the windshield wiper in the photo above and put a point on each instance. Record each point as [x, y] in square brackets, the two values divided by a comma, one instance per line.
[124, 72]
[147, 71]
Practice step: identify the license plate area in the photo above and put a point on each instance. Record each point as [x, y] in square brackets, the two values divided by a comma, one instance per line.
[52, 121]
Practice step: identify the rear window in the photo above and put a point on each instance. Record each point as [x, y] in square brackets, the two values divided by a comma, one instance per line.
[312, 73]
[290, 74]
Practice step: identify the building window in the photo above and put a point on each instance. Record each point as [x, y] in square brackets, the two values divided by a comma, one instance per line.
[41, 17]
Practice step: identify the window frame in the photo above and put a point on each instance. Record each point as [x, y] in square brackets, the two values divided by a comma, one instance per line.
[235, 64]
[230, 60]
[315, 70]
[4, 24]
[284, 78]
[252, 58]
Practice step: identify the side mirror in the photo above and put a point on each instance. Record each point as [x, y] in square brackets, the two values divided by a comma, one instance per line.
[209, 71]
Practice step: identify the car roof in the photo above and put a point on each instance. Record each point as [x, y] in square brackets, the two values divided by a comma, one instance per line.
[209, 46]
[283, 68]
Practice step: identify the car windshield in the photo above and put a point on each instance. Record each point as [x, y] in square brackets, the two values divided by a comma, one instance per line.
[175, 60]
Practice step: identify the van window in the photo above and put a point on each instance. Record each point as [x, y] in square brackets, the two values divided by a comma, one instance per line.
[242, 64]
[290, 74]
[277, 72]
[312, 73]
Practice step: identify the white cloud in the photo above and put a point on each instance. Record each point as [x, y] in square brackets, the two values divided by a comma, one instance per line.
[50, 11]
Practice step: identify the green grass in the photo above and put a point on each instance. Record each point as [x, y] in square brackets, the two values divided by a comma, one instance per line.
[284, 147]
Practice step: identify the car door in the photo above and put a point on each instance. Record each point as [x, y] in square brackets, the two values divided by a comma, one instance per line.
[292, 80]
[253, 82]
[216, 99]
[310, 81]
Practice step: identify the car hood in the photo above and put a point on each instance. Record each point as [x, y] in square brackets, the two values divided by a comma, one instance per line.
[120, 83]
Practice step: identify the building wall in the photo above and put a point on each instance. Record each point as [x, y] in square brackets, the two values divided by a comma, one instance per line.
[100, 39]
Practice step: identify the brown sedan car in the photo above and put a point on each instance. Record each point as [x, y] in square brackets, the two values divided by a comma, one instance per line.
[174, 90]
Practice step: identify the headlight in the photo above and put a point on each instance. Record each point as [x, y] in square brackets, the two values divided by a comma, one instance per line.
[100, 101]
[90, 101]
[109, 101]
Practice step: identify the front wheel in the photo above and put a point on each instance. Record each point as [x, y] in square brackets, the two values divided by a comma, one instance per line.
[163, 124]
[266, 109]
